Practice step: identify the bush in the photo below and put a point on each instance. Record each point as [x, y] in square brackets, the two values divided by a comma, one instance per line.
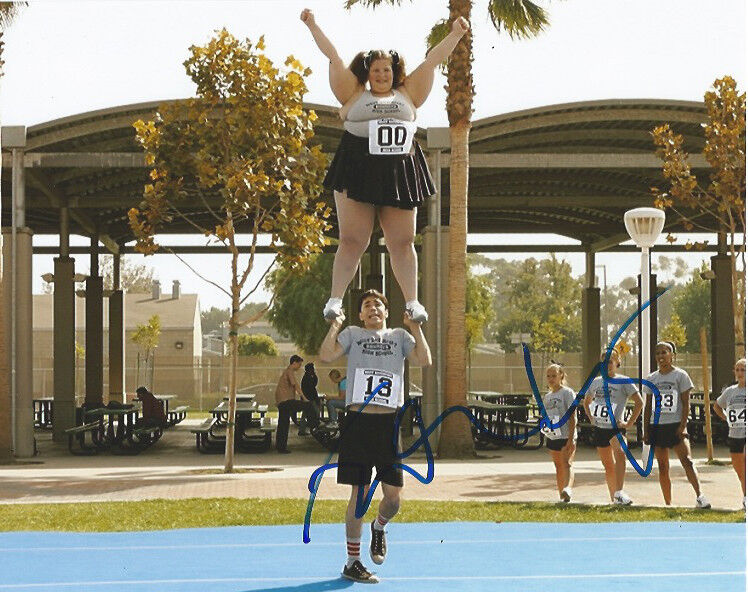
[257, 345]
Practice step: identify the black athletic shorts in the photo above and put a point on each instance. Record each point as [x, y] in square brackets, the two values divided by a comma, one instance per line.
[601, 436]
[664, 435]
[736, 444]
[556, 444]
[366, 441]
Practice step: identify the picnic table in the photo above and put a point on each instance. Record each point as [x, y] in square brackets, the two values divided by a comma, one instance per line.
[111, 428]
[253, 430]
[505, 424]
[243, 397]
[43, 412]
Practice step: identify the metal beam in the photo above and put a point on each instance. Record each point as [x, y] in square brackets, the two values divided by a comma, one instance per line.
[263, 250]
[58, 200]
[481, 160]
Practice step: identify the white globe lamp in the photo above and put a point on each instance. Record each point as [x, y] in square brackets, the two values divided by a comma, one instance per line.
[644, 226]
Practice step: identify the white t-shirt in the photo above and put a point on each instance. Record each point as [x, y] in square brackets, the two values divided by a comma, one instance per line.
[671, 385]
[556, 405]
[619, 394]
[374, 358]
[732, 401]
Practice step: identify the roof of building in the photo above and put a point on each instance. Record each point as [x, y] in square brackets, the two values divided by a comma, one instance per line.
[175, 314]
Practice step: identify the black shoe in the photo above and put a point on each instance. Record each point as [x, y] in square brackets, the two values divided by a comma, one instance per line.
[283, 450]
[378, 545]
[358, 573]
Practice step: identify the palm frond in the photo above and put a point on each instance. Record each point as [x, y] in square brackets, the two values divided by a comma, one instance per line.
[9, 11]
[371, 3]
[437, 33]
[519, 18]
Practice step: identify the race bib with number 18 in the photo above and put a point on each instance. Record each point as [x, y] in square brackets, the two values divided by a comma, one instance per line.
[366, 380]
[391, 136]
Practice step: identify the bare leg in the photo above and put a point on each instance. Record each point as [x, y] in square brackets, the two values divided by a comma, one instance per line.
[683, 450]
[619, 456]
[562, 475]
[663, 465]
[399, 228]
[606, 456]
[390, 504]
[738, 463]
[353, 524]
[355, 223]
[569, 454]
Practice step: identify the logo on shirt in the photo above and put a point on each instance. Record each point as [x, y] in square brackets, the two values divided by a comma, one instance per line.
[376, 347]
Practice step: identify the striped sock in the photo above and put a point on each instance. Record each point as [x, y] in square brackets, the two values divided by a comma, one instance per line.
[380, 522]
[354, 550]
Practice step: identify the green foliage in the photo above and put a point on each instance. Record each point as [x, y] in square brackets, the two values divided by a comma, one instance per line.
[146, 335]
[519, 18]
[214, 318]
[674, 331]
[133, 277]
[215, 512]
[257, 345]
[693, 305]
[478, 308]
[298, 302]
[242, 146]
[542, 298]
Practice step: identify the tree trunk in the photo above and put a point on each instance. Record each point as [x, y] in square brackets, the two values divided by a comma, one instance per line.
[456, 440]
[234, 359]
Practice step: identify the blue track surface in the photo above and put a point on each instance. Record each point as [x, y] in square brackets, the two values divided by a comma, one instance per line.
[526, 557]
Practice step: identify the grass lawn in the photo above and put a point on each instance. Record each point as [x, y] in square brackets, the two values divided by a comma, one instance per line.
[192, 513]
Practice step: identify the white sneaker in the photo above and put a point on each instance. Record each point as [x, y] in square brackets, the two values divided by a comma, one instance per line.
[333, 309]
[416, 311]
[702, 503]
[620, 498]
[566, 495]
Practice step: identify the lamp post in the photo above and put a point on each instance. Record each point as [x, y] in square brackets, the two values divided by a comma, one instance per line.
[644, 225]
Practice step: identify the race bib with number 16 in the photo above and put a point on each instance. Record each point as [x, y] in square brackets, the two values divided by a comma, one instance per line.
[391, 136]
[366, 380]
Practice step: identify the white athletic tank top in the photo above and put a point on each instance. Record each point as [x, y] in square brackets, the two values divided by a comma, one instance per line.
[368, 107]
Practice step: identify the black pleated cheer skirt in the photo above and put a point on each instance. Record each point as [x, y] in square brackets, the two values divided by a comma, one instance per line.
[402, 180]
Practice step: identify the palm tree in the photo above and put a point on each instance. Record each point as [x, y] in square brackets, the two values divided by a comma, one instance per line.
[519, 19]
[8, 11]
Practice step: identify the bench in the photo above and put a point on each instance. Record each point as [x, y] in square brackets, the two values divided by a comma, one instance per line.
[258, 436]
[524, 428]
[79, 433]
[176, 415]
[203, 440]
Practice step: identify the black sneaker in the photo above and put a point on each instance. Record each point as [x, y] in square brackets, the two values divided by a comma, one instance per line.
[378, 545]
[358, 573]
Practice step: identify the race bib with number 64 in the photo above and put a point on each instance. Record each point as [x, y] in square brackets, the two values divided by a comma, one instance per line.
[366, 380]
[736, 416]
[391, 136]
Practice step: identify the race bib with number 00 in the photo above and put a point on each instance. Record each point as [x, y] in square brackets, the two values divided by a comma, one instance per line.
[368, 379]
[391, 136]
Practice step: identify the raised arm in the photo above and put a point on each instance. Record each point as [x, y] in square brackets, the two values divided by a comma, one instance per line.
[342, 81]
[419, 82]
[421, 353]
[331, 350]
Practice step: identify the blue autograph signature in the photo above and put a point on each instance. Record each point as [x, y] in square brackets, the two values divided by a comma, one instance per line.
[363, 501]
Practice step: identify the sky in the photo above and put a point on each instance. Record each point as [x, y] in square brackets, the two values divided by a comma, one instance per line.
[65, 58]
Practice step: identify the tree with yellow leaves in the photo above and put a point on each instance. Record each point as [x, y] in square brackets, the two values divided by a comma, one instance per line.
[723, 198]
[241, 149]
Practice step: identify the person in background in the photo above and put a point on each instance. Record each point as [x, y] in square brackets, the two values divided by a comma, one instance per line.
[152, 414]
[674, 385]
[730, 406]
[335, 403]
[309, 390]
[561, 440]
[604, 436]
[285, 399]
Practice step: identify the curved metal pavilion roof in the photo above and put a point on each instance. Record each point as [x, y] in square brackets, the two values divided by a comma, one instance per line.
[571, 169]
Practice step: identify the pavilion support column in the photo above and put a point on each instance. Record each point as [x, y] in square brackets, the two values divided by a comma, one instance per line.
[64, 347]
[591, 346]
[433, 287]
[94, 331]
[116, 336]
[723, 324]
[18, 302]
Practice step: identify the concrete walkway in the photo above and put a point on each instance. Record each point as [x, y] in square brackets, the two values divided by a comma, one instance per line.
[173, 469]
